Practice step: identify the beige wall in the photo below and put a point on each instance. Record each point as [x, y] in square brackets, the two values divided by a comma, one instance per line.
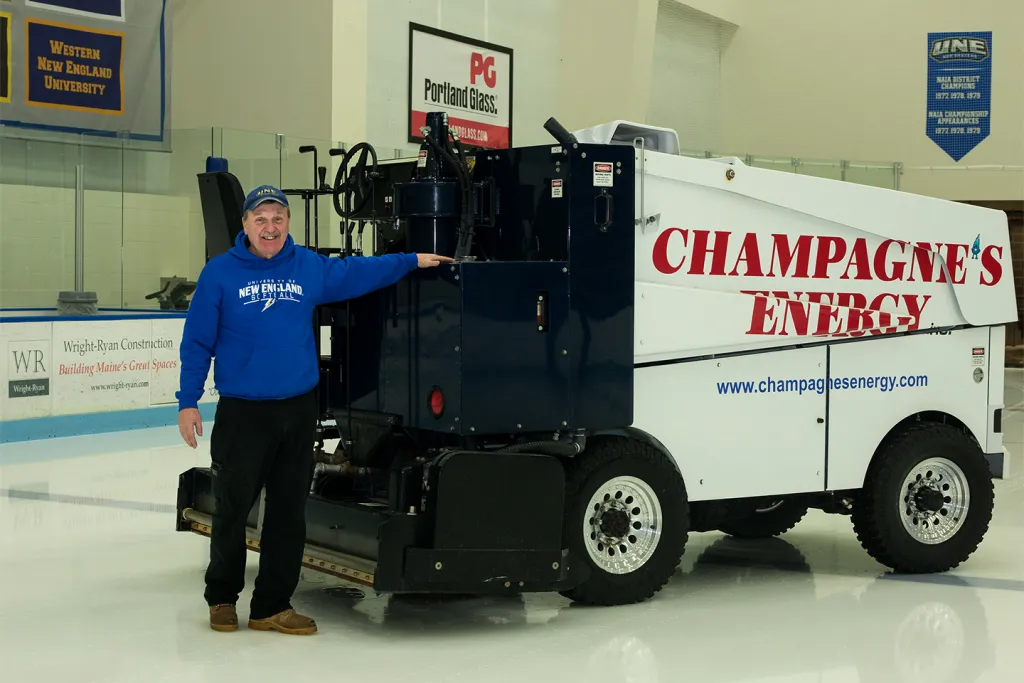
[730, 11]
[533, 29]
[348, 77]
[606, 48]
[796, 80]
[582, 61]
[804, 78]
[257, 65]
[685, 92]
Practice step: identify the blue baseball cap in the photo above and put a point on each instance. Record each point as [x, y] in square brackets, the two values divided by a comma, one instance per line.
[263, 193]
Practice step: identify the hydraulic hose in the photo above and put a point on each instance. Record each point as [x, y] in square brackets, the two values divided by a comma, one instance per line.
[466, 228]
[465, 245]
[547, 447]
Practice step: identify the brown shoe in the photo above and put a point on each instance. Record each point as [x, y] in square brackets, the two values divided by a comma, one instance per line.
[223, 618]
[287, 621]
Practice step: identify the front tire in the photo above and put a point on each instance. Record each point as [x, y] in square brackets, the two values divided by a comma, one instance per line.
[927, 500]
[627, 520]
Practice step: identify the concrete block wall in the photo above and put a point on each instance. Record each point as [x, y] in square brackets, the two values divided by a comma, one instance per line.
[131, 240]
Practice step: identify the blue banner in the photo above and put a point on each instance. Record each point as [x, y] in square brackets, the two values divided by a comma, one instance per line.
[87, 67]
[5, 57]
[959, 90]
[74, 68]
[110, 9]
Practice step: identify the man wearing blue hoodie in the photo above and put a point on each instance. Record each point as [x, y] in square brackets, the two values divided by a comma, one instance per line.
[252, 310]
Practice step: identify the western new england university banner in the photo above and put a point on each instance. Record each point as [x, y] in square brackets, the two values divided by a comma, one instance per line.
[959, 90]
[468, 79]
[98, 67]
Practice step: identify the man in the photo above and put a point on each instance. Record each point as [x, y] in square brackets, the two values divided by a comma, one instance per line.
[253, 311]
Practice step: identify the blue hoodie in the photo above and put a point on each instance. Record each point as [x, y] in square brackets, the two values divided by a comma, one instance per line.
[255, 316]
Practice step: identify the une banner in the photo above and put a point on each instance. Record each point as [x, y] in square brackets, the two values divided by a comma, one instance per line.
[470, 80]
[959, 90]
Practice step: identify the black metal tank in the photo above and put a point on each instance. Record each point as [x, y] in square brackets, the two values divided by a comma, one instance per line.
[430, 204]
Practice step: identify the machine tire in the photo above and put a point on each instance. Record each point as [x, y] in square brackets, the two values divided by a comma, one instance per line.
[628, 467]
[955, 462]
[768, 522]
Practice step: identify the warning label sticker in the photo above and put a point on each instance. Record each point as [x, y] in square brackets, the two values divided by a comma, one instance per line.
[422, 161]
[978, 357]
[556, 188]
[603, 173]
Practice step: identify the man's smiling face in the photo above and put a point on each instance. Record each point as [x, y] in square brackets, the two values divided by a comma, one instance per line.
[266, 226]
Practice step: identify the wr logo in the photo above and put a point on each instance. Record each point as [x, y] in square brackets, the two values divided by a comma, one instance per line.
[29, 361]
[482, 66]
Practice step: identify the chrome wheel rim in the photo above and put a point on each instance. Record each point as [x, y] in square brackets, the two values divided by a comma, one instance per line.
[622, 525]
[934, 501]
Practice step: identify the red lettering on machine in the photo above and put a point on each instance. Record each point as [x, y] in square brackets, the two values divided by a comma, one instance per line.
[817, 258]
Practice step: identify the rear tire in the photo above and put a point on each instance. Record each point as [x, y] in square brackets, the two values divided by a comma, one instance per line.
[927, 500]
[767, 521]
[627, 520]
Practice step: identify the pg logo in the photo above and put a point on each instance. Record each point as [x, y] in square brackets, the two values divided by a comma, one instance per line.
[480, 66]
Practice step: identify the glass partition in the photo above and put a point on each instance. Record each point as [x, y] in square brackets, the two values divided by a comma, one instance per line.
[110, 234]
[877, 175]
[140, 219]
[833, 170]
[38, 190]
[885, 175]
[254, 158]
[783, 165]
[162, 221]
[300, 158]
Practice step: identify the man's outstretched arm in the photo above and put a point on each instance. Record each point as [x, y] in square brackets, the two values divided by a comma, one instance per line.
[353, 276]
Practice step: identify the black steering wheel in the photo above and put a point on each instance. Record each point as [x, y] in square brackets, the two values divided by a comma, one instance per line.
[355, 185]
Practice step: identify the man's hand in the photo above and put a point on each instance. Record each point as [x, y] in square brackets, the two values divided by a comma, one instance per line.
[190, 423]
[432, 260]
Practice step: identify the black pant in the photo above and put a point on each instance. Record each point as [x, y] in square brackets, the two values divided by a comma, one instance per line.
[257, 444]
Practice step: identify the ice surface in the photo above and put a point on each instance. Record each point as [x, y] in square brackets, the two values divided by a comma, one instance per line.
[95, 585]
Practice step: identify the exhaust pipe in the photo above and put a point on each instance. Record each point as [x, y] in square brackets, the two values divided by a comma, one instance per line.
[559, 133]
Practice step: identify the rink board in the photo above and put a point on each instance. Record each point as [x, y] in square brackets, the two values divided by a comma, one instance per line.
[69, 375]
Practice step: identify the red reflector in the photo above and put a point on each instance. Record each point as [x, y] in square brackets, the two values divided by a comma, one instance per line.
[436, 402]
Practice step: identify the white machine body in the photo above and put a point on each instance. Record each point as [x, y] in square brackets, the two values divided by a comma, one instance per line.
[786, 323]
